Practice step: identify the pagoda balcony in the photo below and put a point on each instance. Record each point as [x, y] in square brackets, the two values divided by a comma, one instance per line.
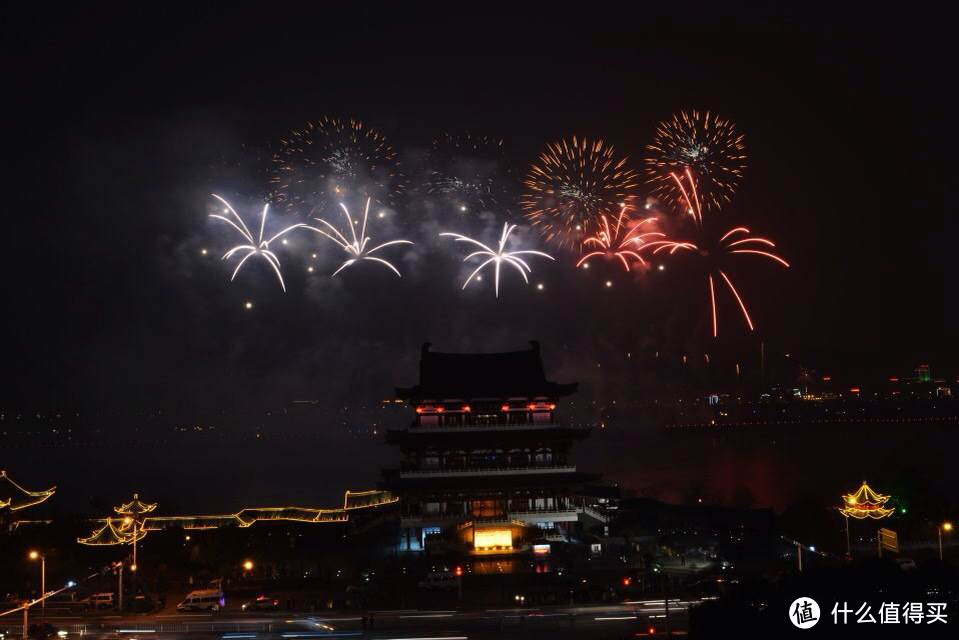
[461, 472]
[527, 517]
[545, 515]
[469, 427]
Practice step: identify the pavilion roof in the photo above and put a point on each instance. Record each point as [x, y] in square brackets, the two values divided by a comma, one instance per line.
[483, 375]
[109, 535]
[15, 497]
[135, 507]
[865, 503]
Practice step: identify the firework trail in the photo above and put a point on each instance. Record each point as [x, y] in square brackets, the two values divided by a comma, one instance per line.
[469, 172]
[356, 248]
[571, 183]
[252, 248]
[621, 241]
[330, 158]
[715, 247]
[705, 143]
[497, 257]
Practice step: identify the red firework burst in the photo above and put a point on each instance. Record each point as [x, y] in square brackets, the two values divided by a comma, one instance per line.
[622, 240]
[716, 248]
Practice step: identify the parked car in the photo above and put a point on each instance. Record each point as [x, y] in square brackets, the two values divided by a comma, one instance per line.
[203, 600]
[261, 603]
[140, 604]
[103, 600]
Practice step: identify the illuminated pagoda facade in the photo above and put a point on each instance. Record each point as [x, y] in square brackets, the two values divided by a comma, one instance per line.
[485, 464]
[865, 503]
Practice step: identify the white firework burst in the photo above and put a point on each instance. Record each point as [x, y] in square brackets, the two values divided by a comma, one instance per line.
[497, 257]
[257, 247]
[356, 248]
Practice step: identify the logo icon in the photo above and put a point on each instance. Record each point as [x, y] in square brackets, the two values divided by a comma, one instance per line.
[804, 613]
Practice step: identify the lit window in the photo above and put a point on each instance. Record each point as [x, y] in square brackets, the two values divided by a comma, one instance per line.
[492, 538]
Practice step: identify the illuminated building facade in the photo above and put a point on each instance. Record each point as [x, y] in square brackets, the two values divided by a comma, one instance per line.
[485, 464]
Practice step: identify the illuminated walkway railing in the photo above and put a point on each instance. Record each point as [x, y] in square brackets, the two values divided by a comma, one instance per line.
[109, 533]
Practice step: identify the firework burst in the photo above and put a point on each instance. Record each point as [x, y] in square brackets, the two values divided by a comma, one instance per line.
[622, 240]
[497, 257]
[327, 159]
[705, 143]
[571, 183]
[357, 247]
[715, 247]
[251, 248]
[469, 172]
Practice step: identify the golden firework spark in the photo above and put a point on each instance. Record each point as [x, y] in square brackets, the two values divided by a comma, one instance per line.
[705, 143]
[571, 184]
[329, 159]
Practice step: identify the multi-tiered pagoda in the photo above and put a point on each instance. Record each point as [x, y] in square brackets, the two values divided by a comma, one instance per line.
[485, 463]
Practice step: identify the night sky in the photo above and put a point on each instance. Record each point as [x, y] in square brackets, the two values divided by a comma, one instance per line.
[121, 121]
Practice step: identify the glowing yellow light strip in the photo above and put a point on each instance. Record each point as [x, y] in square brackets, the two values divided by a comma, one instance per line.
[38, 496]
[243, 518]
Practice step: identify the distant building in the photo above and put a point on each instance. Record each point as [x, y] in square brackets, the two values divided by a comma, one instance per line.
[485, 465]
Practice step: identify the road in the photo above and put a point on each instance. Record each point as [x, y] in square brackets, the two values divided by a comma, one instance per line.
[626, 620]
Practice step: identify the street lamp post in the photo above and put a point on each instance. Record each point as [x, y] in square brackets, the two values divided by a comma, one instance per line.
[848, 547]
[43, 574]
[133, 565]
[947, 527]
[120, 586]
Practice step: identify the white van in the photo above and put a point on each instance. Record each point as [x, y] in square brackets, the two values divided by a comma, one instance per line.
[100, 601]
[203, 600]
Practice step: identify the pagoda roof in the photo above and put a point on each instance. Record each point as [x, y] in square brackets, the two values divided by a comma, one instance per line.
[865, 503]
[15, 497]
[109, 535]
[483, 375]
[135, 507]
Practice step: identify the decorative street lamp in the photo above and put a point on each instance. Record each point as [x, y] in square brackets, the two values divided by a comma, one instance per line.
[43, 573]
